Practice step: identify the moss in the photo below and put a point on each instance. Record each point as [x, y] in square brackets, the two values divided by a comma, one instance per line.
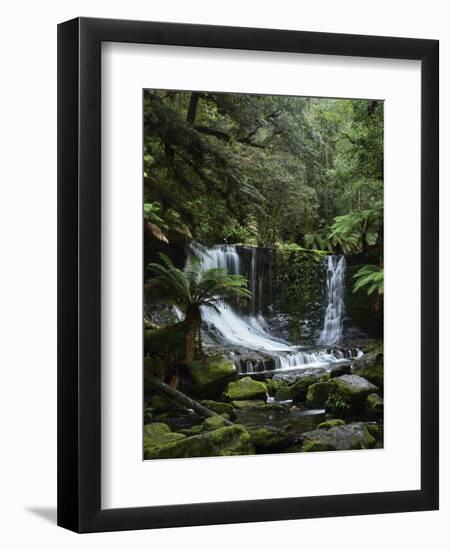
[249, 404]
[167, 342]
[376, 431]
[317, 394]
[373, 373]
[330, 424]
[312, 446]
[274, 385]
[245, 389]
[228, 441]
[211, 376]
[219, 408]
[193, 430]
[213, 422]
[283, 394]
[156, 436]
[374, 406]
[299, 389]
[266, 440]
[160, 404]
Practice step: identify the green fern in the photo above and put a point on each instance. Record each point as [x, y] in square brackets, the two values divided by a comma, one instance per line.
[369, 278]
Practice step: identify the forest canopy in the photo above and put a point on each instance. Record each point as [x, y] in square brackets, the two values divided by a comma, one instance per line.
[264, 170]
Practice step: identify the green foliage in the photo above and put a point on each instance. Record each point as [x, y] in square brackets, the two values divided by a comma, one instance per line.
[336, 404]
[369, 278]
[260, 169]
[192, 289]
[356, 231]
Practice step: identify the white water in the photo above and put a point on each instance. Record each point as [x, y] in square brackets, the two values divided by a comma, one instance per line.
[233, 328]
[335, 310]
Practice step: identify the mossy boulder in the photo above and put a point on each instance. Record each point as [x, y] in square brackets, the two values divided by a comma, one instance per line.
[339, 370]
[348, 395]
[274, 385]
[244, 389]
[376, 431]
[330, 424]
[160, 404]
[219, 407]
[213, 423]
[374, 406]
[212, 375]
[156, 436]
[228, 441]
[339, 438]
[317, 394]
[372, 371]
[299, 389]
[166, 342]
[270, 440]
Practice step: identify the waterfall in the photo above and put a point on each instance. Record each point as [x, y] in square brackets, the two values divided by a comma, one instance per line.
[335, 309]
[234, 328]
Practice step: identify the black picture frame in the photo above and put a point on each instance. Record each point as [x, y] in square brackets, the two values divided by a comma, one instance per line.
[79, 274]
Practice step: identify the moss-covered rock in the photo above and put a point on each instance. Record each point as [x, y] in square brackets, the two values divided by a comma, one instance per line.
[348, 394]
[212, 375]
[156, 436]
[166, 342]
[270, 440]
[372, 371]
[299, 389]
[339, 438]
[374, 406]
[376, 431]
[339, 370]
[317, 394]
[330, 424]
[160, 404]
[219, 407]
[249, 404]
[193, 430]
[213, 423]
[228, 441]
[273, 385]
[245, 389]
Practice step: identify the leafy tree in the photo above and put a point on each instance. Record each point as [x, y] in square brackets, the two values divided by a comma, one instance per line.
[193, 289]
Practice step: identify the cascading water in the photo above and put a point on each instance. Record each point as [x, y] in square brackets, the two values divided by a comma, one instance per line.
[233, 328]
[335, 309]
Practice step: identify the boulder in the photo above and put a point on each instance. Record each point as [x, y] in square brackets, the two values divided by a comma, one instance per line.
[156, 436]
[299, 389]
[330, 424]
[212, 375]
[245, 389]
[249, 404]
[374, 406]
[339, 370]
[213, 423]
[228, 441]
[376, 431]
[348, 394]
[219, 407]
[339, 438]
[317, 394]
[274, 385]
[270, 440]
[370, 366]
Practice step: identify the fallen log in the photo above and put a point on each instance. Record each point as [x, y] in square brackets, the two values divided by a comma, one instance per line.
[182, 399]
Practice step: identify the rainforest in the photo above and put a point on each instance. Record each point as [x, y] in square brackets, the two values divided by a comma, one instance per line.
[263, 274]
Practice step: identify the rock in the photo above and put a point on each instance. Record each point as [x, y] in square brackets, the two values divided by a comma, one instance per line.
[317, 394]
[330, 424]
[347, 395]
[339, 370]
[374, 406]
[219, 408]
[299, 389]
[193, 430]
[249, 404]
[373, 372]
[156, 436]
[274, 385]
[211, 376]
[245, 389]
[228, 441]
[339, 438]
[213, 423]
[376, 431]
[283, 394]
[269, 440]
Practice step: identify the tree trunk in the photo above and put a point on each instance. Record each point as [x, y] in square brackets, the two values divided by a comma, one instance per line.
[192, 109]
[183, 399]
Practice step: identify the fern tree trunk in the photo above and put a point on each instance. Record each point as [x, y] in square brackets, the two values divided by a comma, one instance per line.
[193, 339]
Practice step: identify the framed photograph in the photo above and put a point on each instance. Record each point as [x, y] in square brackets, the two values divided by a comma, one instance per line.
[248, 275]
